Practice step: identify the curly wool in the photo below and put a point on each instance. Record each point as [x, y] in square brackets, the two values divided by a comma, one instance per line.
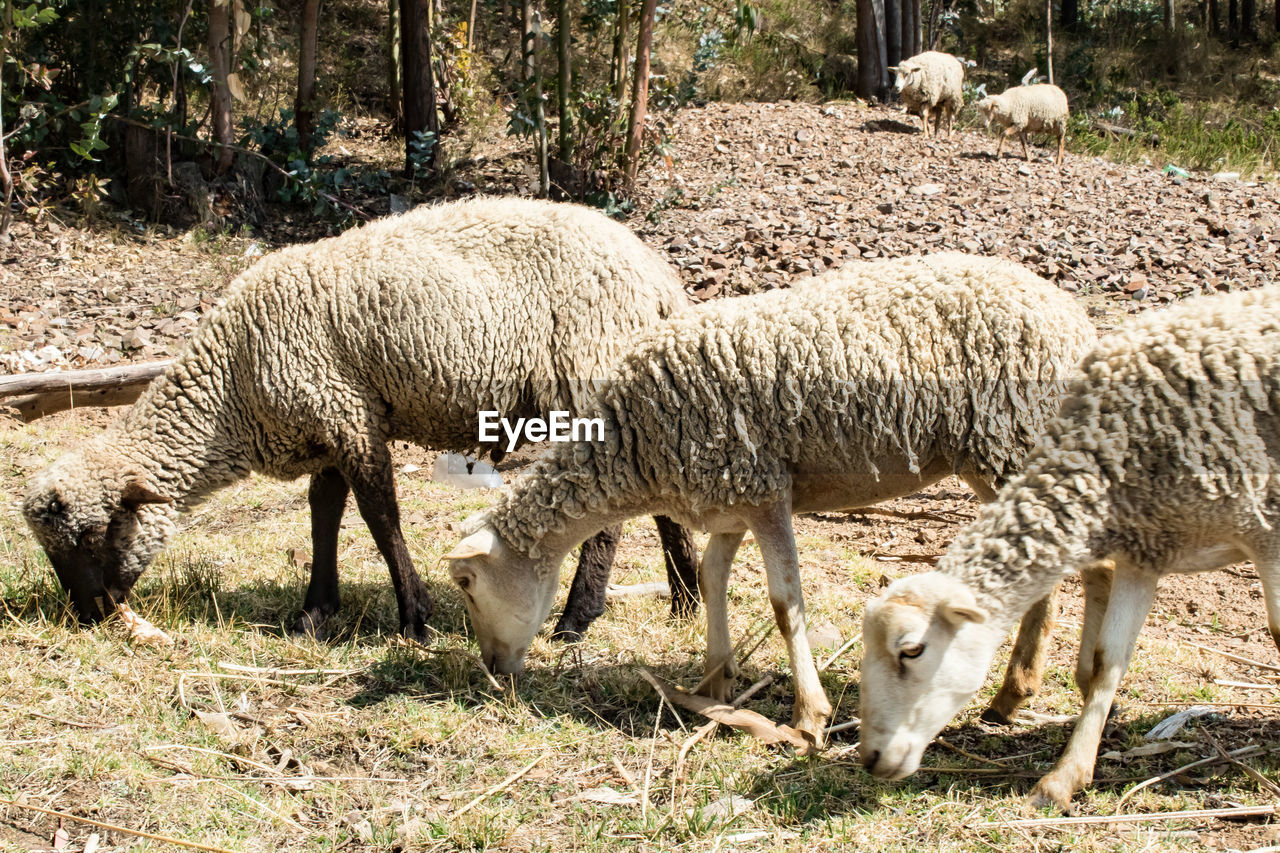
[939, 85]
[1041, 108]
[915, 359]
[402, 329]
[1162, 443]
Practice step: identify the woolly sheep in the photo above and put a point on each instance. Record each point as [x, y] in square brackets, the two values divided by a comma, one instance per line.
[870, 382]
[1041, 108]
[1164, 457]
[323, 353]
[931, 83]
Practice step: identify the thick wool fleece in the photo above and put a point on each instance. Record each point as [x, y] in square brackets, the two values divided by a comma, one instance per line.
[940, 85]
[1041, 108]
[1168, 438]
[945, 356]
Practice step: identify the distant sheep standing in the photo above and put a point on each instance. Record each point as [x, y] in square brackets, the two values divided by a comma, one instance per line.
[870, 382]
[1041, 108]
[323, 353]
[931, 84]
[1165, 457]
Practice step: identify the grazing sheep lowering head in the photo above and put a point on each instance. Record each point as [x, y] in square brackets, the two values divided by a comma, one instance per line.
[100, 523]
[508, 595]
[987, 106]
[928, 645]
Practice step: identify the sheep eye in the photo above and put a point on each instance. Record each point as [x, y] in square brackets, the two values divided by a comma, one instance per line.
[911, 652]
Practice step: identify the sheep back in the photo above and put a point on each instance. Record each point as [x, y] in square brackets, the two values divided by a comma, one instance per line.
[940, 85]
[1041, 108]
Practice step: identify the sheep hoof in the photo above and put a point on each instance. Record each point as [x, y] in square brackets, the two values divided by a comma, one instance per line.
[313, 623]
[567, 634]
[1052, 792]
[996, 717]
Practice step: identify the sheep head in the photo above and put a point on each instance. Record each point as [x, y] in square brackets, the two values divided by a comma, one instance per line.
[905, 74]
[508, 596]
[988, 106]
[928, 647]
[100, 523]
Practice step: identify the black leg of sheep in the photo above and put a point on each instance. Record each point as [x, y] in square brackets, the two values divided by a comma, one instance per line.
[328, 498]
[682, 566]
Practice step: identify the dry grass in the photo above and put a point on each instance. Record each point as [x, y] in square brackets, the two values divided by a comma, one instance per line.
[245, 738]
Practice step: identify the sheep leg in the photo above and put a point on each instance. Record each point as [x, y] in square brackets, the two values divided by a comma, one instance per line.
[590, 583]
[713, 575]
[374, 486]
[1026, 152]
[1062, 144]
[327, 496]
[1009, 131]
[1025, 673]
[1097, 592]
[681, 557]
[1132, 593]
[924, 119]
[1268, 567]
[773, 531]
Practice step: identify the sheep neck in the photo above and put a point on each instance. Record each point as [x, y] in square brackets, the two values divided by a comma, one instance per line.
[1046, 522]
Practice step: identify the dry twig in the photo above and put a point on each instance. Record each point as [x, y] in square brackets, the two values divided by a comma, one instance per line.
[1178, 771]
[137, 833]
[1189, 814]
[501, 786]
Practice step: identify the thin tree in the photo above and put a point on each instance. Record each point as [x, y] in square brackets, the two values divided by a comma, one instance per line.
[1048, 35]
[418, 81]
[393, 64]
[220, 46]
[564, 58]
[531, 28]
[304, 107]
[1168, 17]
[873, 65]
[893, 32]
[618, 69]
[1248, 15]
[6, 179]
[640, 90]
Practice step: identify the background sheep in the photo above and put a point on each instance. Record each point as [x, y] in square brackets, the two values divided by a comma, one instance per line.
[321, 354]
[1041, 108]
[931, 83]
[870, 382]
[1164, 458]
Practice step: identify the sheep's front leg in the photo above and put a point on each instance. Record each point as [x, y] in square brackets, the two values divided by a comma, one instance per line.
[1132, 593]
[1062, 145]
[374, 486]
[1008, 131]
[1097, 592]
[713, 576]
[772, 527]
[681, 557]
[1026, 152]
[590, 584]
[327, 496]
[924, 119]
[1025, 673]
[1269, 572]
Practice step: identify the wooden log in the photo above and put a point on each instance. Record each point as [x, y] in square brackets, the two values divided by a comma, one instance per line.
[34, 395]
[1151, 139]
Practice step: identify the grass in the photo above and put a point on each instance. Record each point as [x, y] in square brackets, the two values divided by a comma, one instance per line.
[368, 743]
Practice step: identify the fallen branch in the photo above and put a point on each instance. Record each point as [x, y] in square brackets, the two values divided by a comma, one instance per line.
[56, 391]
[1237, 658]
[752, 723]
[1151, 139]
[501, 786]
[907, 558]
[1189, 814]
[1178, 771]
[914, 515]
[137, 833]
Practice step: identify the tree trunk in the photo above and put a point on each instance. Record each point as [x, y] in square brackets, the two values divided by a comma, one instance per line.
[1233, 19]
[220, 45]
[304, 107]
[640, 90]
[1069, 14]
[1048, 36]
[393, 65]
[873, 74]
[540, 108]
[564, 57]
[618, 72]
[893, 31]
[418, 81]
[1168, 17]
[1248, 15]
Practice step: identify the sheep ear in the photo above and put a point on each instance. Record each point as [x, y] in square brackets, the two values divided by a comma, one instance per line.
[136, 493]
[962, 611]
[478, 544]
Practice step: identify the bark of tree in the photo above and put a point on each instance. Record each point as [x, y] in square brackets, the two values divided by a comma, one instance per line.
[418, 81]
[1069, 14]
[6, 179]
[304, 107]
[1168, 17]
[394, 64]
[220, 46]
[1233, 19]
[564, 58]
[1248, 16]
[640, 90]
[873, 74]
[618, 70]
[910, 28]
[47, 393]
[893, 31]
[1048, 36]
[531, 69]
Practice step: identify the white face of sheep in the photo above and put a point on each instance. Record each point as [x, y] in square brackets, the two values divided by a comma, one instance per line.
[987, 106]
[508, 596]
[904, 75]
[928, 647]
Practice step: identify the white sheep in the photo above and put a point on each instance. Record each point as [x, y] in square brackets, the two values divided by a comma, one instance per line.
[1041, 108]
[1164, 458]
[931, 84]
[869, 382]
[322, 354]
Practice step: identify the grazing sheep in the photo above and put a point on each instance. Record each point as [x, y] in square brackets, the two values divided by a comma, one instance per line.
[870, 382]
[1041, 108]
[931, 84]
[1164, 458]
[323, 353]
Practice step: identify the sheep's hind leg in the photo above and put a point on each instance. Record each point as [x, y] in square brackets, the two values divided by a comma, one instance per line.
[1097, 592]
[327, 496]
[1132, 593]
[681, 557]
[713, 576]
[1025, 673]
[590, 584]
[773, 531]
[373, 483]
[1026, 152]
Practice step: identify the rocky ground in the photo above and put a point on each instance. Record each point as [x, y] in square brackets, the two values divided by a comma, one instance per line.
[753, 196]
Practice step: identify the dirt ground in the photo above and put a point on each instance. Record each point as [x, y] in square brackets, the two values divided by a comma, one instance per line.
[755, 196]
